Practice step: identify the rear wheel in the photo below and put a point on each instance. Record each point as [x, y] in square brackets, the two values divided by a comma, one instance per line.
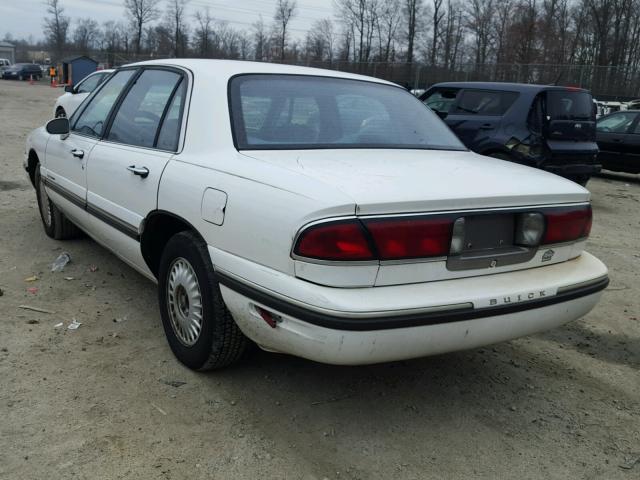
[200, 330]
[55, 224]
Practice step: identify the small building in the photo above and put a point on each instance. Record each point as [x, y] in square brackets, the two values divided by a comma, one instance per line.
[73, 69]
[8, 51]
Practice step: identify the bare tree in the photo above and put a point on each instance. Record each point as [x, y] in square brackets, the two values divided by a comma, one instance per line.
[438, 15]
[260, 40]
[175, 20]
[360, 18]
[85, 35]
[285, 11]
[56, 26]
[203, 32]
[388, 23]
[412, 10]
[141, 13]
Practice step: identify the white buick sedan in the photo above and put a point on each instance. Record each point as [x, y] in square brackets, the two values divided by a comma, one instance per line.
[316, 213]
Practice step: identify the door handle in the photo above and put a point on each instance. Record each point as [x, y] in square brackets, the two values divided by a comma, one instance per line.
[140, 171]
[77, 153]
[486, 126]
[617, 140]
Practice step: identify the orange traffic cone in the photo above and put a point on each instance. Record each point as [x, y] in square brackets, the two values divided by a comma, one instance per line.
[30, 79]
[54, 84]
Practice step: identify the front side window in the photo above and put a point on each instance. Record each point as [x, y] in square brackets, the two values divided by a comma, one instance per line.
[484, 102]
[92, 119]
[441, 100]
[139, 115]
[301, 112]
[616, 123]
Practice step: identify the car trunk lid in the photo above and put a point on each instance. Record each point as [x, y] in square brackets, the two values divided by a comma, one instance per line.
[382, 181]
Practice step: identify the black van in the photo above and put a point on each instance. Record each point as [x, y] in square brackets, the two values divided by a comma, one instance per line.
[548, 127]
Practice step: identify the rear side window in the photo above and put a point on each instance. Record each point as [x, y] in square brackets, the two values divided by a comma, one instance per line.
[441, 100]
[569, 105]
[140, 113]
[170, 130]
[484, 102]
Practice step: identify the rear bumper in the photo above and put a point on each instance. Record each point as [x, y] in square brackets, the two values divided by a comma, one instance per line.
[370, 325]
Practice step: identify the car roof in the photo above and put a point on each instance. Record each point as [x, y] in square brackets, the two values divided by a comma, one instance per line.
[520, 87]
[230, 68]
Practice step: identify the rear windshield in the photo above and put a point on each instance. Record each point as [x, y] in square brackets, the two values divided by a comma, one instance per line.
[277, 112]
[569, 105]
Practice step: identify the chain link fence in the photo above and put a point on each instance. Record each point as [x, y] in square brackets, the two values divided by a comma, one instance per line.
[606, 82]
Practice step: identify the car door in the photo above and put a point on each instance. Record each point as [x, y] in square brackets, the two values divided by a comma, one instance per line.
[126, 165]
[66, 157]
[476, 115]
[632, 148]
[611, 135]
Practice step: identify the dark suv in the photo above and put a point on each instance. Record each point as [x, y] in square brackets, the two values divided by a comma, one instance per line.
[22, 71]
[548, 127]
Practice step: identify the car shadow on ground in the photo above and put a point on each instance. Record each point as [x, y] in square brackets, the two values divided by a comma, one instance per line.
[619, 176]
[609, 347]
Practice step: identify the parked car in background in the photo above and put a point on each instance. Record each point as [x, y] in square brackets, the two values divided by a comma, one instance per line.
[548, 127]
[68, 102]
[618, 136]
[317, 213]
[4, 64]
[22, 71]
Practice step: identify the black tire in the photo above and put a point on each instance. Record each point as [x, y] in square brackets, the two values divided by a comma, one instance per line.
[220, 342]
[60, 113]
[55, 225]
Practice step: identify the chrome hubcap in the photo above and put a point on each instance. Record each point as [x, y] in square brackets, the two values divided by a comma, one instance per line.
[184, 302]
[45, 205]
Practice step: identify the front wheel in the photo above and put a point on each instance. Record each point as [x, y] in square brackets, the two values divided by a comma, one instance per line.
[200, 330]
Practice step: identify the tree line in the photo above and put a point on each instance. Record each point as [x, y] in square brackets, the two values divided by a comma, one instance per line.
[442, 34]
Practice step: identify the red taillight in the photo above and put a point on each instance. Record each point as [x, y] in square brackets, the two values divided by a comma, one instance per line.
[567, 225]
[335, 241]
[411, 238]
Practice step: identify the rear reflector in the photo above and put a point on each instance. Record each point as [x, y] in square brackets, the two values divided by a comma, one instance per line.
[335, 241]
[567, 225]
[411, 237]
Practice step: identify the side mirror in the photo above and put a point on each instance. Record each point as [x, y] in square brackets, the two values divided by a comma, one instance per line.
[69, 89]
[58, 126]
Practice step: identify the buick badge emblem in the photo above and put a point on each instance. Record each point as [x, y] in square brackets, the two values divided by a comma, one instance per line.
[548, 255]
[578, 126]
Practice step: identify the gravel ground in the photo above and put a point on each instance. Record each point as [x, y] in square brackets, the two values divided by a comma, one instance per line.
[108, 400]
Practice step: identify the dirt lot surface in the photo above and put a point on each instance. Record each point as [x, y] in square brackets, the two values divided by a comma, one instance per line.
[109, 400]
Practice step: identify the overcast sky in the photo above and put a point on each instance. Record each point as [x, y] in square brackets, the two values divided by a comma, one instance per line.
[22, 18]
